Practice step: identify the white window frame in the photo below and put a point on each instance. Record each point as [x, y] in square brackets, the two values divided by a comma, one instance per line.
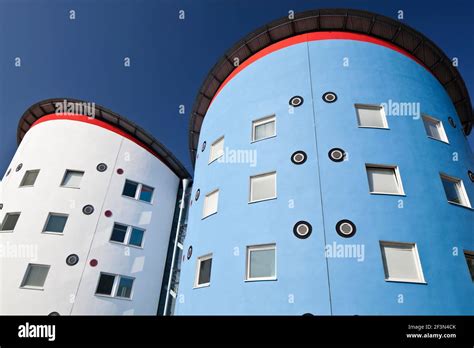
[5, 220]
[215, 158]
[462, 190]
[372, 107]
[22, 183]
[419, 268]
[139, 191]
[114, 291]
[398, 178]
[128, 235]
[47, 221]
[439, 126]
[251, 187]
[28, 269]
[259, 247]
[262, 121]
[64, 177]
[198, 271]
[205, 201]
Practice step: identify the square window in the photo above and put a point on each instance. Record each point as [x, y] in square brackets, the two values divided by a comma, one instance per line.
[72, 179]
[136, 237]
[29, 178]
[55, 223]
[470, 262]
[263, 187]
[217, 149]
[455, 191]
[146, 193]
[9, 221]
[130, 189]
[35, 276]
[261, 262]
[401, 262]
[118, 233]
[210, 203]
[263, 128]
[106, 284]
[384, 179]
[434, 128]
[124, 288]
[203, 271]
[371, 116]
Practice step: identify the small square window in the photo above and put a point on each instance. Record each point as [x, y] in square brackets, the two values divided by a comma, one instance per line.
[217, 149]
[146, 193]
[384, 179]
[263, 128]
[371, 116]
[136, 237]
[203, 271]
[401, 262]
[29, 178]
[72, 179]
[55, 223]
[262, 187]
[35, 276]
[9, 221]
[106, 284]
[434, 128]
[130, 189]
[124, 288]
[455, 191]
[211, 202]
[118, 233]
[470, 262]
[261, 262]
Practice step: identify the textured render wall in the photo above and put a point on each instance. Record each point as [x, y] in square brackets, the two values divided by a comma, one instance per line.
[325, 192]
[57, 145]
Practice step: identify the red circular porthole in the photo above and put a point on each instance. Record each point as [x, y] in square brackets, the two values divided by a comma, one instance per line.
[93, 262]
[120, 171]
[108, 213]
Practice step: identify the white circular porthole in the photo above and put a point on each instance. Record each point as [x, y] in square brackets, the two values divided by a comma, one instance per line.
[337, 154]
[329, 97]
[296, 101]
[299, 157]
[302, 229]
[345, 228]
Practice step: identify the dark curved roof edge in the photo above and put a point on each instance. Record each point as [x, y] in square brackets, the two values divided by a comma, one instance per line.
[48, 106]
[348, 20]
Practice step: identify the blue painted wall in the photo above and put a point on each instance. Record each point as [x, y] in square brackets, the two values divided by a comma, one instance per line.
[323, 192]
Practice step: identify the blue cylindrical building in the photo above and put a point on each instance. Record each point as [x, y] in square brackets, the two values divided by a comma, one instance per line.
[332, 174]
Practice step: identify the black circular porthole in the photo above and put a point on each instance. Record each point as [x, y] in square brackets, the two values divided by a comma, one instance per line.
[336, 154]
[299, 157]
[88, 209]
[18, 167]
[329, 97]
[345, 228]
[471, 175]
[302, 229]
[54, 314]
[198, 193]
[190, 252]
[451, 122]
[203, 146]
[8, 172]
[72, 259]
[296, 101]
[101, 167]
[1, 206]
[308, 315]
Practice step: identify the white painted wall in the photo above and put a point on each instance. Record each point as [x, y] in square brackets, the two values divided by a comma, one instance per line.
[53, 147]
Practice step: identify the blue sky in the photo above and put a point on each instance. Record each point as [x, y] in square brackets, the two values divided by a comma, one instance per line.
[83, 58]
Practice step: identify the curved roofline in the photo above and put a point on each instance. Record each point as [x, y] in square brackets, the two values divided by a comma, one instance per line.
[343, 20]
[48, 107]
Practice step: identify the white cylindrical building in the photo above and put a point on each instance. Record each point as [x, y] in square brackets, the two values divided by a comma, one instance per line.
[88, 205]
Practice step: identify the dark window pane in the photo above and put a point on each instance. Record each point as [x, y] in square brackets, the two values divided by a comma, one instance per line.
[451, 189]
[130, 189]
[118, 233]
[29, 178]
[146, 193]
[56, 223]
[470, 264]
[205, 271]
[136, 237]
[10, 221]
[106, 283]
[125, 287]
